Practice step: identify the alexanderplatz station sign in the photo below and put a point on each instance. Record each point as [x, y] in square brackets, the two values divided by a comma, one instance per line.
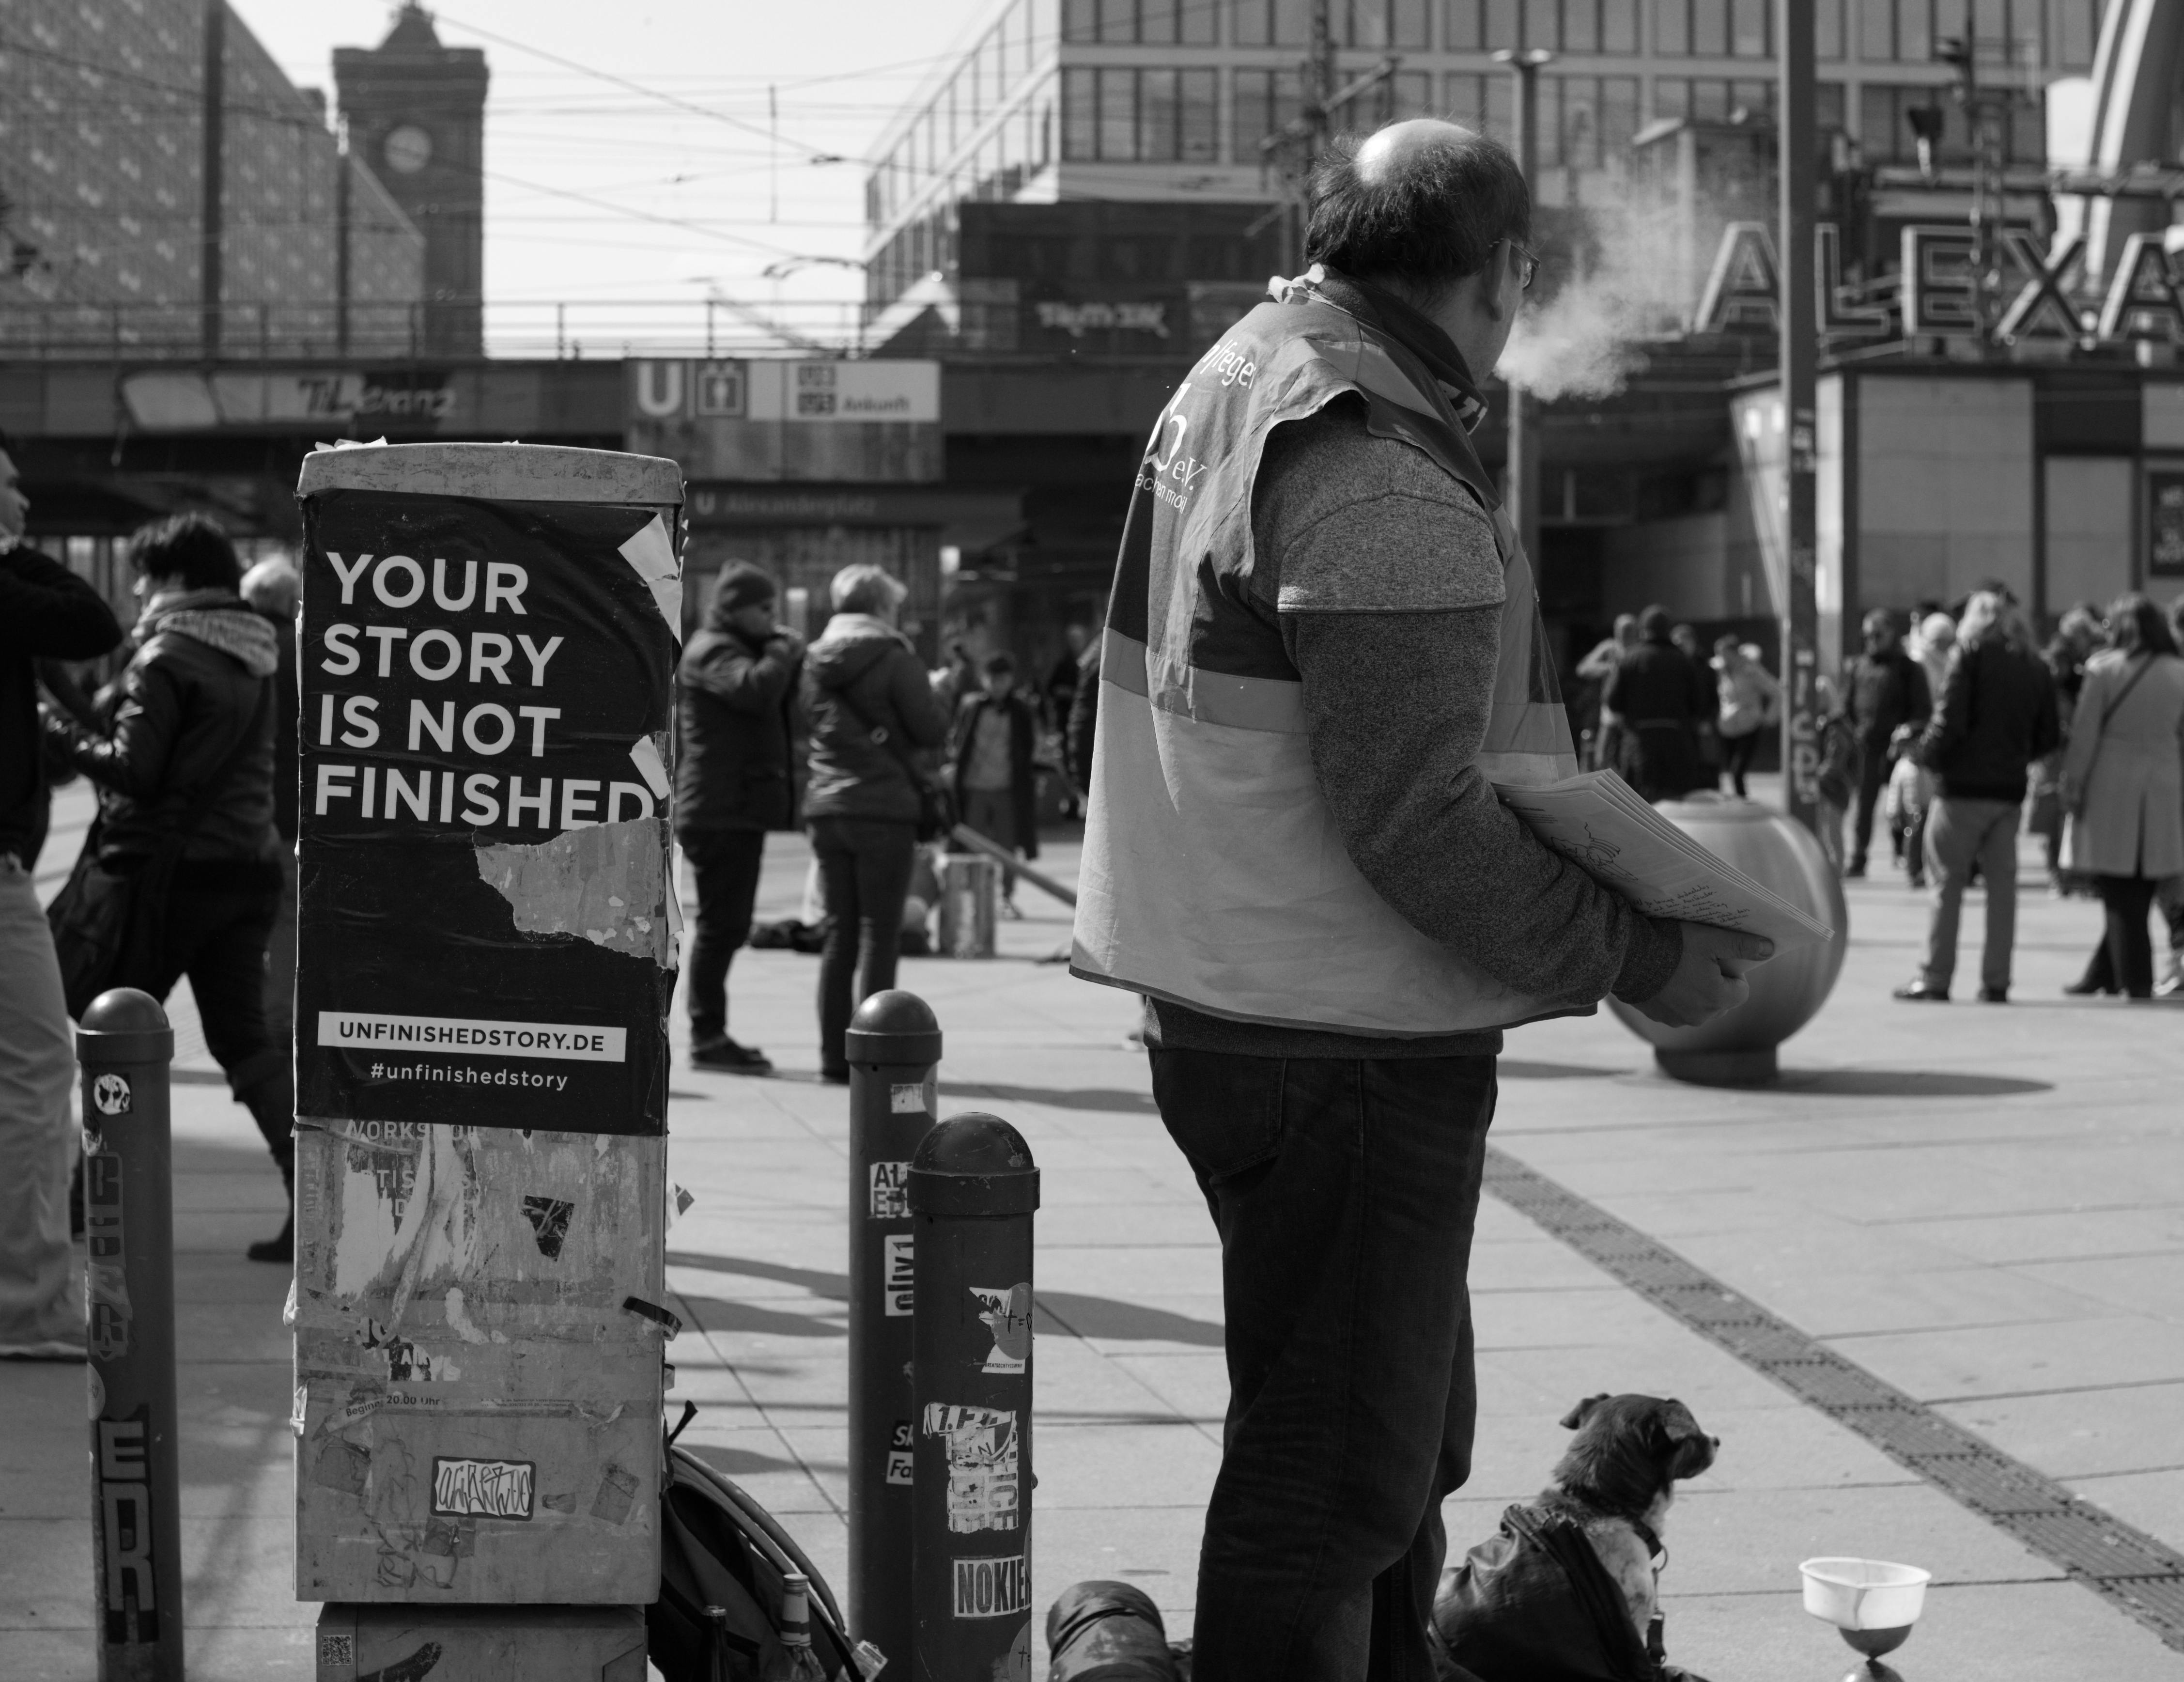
[2042, 297]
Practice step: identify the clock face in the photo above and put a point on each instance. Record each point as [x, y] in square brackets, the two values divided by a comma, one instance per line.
[409, 148]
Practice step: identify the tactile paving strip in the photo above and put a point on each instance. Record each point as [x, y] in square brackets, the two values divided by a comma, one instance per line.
[2139, 1575]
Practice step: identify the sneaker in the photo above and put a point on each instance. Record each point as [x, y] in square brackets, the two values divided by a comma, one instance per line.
[49, 1349]
[835, 1077]
[282, 1247]
[1921, 992]
[1994, 995]
[1917, 881]
[724, 1057]
[1856, 867]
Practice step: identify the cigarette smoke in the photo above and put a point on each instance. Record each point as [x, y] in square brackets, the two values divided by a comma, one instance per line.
[1634, 267]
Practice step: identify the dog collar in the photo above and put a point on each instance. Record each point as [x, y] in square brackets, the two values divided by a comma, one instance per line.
[1653, 1546]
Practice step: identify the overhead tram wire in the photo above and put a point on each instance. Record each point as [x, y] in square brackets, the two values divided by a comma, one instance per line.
[665, 98]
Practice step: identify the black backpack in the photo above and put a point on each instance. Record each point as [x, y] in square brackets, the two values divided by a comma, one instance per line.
[721, 1550]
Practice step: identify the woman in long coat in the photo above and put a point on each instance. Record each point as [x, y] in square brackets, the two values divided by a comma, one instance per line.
[2123, 785]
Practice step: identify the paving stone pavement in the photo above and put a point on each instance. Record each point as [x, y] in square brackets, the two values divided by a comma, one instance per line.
[1985, 1206]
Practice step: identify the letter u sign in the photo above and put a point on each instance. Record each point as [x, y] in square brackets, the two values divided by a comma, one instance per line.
[659, 389]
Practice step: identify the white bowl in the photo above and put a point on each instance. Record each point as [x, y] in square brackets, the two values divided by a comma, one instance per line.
[1864, 1594]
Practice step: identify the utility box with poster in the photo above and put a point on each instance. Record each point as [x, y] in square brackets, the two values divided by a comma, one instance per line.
[486, 953]
[480, 1643]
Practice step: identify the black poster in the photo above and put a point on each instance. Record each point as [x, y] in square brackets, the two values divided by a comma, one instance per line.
[2165, 529]
[485, 912]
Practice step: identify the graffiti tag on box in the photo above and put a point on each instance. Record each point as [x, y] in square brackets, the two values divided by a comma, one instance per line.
[898, 1273]
[1006, 1311]
[992, 1588]
[106, 1283]
[482, 1489]
[982, 1465]
[891, 1191]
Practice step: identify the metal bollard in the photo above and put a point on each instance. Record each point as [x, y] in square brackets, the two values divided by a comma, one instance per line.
[124, 1047]
[972, 1190]
[894, 1049]
[969, 904]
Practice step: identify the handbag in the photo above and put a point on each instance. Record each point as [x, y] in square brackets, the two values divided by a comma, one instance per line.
[936, 803]
[105, 922]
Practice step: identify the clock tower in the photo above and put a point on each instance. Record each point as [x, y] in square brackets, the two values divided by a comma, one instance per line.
[415, 112]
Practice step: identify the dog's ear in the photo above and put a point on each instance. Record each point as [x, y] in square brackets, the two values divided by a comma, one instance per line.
[1577, 1416]
[1691, 1449]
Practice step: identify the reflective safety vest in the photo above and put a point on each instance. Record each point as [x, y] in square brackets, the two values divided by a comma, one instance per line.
[1213, 875]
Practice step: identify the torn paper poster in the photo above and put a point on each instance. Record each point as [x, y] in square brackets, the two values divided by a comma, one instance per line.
[982, 1465]
[606, 883]
[1006, 1311]
[651, 555]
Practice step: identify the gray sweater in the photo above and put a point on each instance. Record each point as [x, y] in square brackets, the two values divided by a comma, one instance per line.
[1382, 573]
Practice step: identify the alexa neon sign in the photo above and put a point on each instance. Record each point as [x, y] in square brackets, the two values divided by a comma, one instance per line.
[1938, 295]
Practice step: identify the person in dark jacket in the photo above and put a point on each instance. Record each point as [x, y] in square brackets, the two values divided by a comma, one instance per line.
[996, 787]
[46, 613]
[1997, 715]
[273, 588]
[196, 694]
[873, 720]
[1883, 688]
[734, 781]
[1661, 696]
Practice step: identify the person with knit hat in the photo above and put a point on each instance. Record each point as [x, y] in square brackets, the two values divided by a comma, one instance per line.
[733, 782]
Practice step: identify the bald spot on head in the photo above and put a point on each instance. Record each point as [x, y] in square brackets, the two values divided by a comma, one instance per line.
[1400, 147]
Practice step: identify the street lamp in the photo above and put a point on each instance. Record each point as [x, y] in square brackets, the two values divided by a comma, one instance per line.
[1522, 491]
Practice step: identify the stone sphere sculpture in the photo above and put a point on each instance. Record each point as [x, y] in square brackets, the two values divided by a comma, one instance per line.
[1738, 1047]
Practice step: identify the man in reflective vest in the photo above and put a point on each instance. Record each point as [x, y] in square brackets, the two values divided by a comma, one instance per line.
[1323, 649]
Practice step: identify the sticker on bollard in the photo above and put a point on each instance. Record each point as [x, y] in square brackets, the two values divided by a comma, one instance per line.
[124, 1047]
[972, 1191]
[892, 1046]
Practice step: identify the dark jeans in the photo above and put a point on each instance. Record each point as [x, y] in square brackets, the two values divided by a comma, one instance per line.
[213, 929]
[1344, 1193]
[1737, 753]
[1873, 777]
[726, 862]
[2124, 961]
[865, 865]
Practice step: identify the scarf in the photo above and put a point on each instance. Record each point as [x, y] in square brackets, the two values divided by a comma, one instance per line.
[218, 618]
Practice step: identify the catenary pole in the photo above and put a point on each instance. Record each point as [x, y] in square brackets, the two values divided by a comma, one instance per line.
[1799, 357]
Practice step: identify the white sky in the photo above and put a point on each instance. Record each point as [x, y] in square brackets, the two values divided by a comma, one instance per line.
[842, 67]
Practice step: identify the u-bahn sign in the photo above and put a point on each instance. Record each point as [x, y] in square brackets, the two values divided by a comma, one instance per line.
[2042, 297]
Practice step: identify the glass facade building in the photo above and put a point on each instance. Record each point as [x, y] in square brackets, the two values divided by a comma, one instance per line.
[1168, 100]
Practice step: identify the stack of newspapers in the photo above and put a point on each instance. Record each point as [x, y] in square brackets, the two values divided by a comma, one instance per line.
[1598, 822]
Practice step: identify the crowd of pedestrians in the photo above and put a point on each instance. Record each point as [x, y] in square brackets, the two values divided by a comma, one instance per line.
[853, 741]
[1954, 733]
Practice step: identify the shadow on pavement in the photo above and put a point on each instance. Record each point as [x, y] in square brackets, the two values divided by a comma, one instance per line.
[724, 1314]
[739, 1462]
[1516, 1068]
[1102, 1316]
[1084, 1316]
[1053, 1097]
[1904, 1083]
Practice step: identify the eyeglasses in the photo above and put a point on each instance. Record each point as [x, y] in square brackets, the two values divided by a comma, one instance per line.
[1531, 265]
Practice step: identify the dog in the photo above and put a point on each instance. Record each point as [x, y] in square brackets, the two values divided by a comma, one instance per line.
[1568, 1587]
